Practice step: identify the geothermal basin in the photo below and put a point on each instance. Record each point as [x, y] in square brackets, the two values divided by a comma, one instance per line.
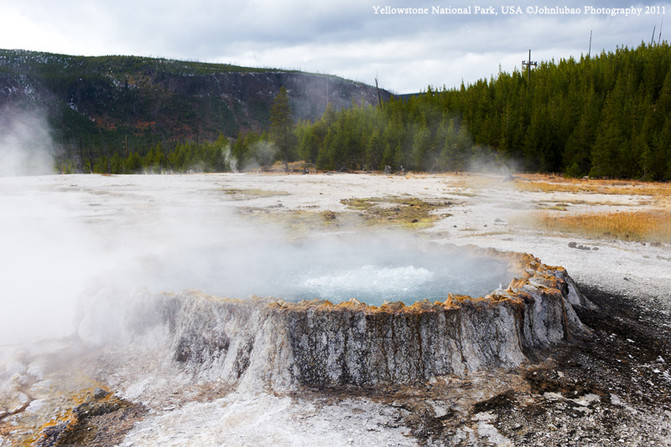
[208, 327]
[164, 271]
[369, 314]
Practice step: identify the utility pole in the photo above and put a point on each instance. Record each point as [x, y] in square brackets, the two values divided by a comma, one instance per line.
[589, 52]
[528, 64]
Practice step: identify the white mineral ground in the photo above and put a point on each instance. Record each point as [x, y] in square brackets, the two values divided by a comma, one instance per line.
[64, 237]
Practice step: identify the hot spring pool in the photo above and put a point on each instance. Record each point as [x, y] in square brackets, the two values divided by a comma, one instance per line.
[406, 275]
[371, 270]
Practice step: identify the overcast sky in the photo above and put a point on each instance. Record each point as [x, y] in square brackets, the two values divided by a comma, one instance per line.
[354, 39]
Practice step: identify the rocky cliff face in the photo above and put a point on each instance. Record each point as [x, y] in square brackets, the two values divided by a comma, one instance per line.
[281, 344]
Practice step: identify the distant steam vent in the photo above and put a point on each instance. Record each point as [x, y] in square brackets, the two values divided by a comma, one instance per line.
[282, 344]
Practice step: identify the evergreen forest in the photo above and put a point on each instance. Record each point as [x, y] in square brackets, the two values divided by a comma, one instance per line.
[602, 116]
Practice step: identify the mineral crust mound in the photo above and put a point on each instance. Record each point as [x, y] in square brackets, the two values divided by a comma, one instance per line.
[281, 344]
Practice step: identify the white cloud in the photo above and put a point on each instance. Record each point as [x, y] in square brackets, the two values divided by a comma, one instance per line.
[20, 32]
[340, 37]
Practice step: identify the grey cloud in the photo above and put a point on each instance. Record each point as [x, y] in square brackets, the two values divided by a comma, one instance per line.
[344, 38]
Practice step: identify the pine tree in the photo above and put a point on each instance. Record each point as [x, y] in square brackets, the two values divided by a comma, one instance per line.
[450, 157]
[116, 165]
[133, 163]
[281, 124]
[662, 152]
[611, 139]
[576, 155]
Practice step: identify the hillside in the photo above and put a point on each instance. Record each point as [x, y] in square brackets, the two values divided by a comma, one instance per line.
[113, 100]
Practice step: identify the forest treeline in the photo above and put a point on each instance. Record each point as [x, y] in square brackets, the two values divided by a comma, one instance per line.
[603, 116]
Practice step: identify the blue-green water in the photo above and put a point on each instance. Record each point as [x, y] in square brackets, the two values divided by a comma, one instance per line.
[372, 271]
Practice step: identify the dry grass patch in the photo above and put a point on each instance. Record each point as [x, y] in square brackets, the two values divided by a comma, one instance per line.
[556, 207]
[544, 186]
[651, 226]
[541, 183]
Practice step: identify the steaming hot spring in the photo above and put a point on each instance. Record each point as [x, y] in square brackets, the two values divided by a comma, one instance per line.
[160, 303]
[354, 313]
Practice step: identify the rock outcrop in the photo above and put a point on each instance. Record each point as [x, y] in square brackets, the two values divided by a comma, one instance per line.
[317, 344]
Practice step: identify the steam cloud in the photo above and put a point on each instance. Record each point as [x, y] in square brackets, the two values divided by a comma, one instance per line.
[67, 238]
[26, 147]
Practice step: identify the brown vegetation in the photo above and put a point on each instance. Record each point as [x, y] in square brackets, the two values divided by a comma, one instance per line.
[544, 183]
[650, 226]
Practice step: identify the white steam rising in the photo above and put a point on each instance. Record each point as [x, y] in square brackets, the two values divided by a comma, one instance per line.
[262, 154]
[46, 257]
[488, 161]
[26, 147]
[66, 238]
